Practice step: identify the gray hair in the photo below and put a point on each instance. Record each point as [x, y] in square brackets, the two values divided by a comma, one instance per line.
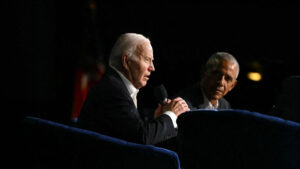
[217, 57]
[126, 44]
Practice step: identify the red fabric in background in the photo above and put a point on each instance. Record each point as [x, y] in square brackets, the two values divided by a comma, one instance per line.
[83, 83]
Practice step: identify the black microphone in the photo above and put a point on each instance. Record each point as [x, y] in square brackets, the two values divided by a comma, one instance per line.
[160, 93]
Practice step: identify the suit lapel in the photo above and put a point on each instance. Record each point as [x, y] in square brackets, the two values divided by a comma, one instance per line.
[116, 79]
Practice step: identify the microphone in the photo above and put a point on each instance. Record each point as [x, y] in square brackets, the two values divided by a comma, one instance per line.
[160, 93]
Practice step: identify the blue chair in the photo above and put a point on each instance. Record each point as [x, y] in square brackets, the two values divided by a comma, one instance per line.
[288, 99]
[237, 139]
[53, 145]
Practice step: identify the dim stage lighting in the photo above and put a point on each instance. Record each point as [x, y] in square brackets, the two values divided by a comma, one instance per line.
[254, 76]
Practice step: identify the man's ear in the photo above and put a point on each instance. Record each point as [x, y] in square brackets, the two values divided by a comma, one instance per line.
[234, 84]
[125, 61]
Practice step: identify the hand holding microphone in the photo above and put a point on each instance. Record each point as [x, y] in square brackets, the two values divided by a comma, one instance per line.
[177, 105]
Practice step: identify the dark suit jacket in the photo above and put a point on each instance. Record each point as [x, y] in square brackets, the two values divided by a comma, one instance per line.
[194, 98]
[110, 110]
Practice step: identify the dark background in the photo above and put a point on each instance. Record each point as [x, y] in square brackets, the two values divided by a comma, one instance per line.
[46, 42]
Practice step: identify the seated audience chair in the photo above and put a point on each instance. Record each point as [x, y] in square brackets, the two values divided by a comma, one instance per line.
[237, 139]
[289, 98]
[53, 145]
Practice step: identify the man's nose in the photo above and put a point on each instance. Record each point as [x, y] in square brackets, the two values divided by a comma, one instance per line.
[151, 67]
[221, 80]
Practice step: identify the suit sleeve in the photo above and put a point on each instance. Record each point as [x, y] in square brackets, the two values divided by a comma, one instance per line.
[130, 125]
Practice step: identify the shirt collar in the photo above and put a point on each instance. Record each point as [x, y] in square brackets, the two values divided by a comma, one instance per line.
[207, 104]
[131, 89]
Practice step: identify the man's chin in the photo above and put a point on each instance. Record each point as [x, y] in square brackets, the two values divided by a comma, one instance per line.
[143, 84]
[217, 96]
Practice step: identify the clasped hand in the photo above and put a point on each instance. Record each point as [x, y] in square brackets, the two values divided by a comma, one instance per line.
[177, 106]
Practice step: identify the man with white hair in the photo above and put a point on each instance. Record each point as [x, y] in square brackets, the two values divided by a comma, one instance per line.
[110, 107]
[218, 78]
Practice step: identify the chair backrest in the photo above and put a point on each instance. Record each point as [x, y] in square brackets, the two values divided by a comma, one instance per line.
[289, 98]
[237, 139]
[53, 145]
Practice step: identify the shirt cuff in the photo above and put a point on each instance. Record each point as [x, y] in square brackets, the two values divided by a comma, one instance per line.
[173, 117]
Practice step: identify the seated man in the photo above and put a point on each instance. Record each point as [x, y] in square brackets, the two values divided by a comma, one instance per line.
[111, 108]
[218, 78]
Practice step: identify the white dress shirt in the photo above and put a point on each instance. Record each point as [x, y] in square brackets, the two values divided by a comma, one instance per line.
[131, 89]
